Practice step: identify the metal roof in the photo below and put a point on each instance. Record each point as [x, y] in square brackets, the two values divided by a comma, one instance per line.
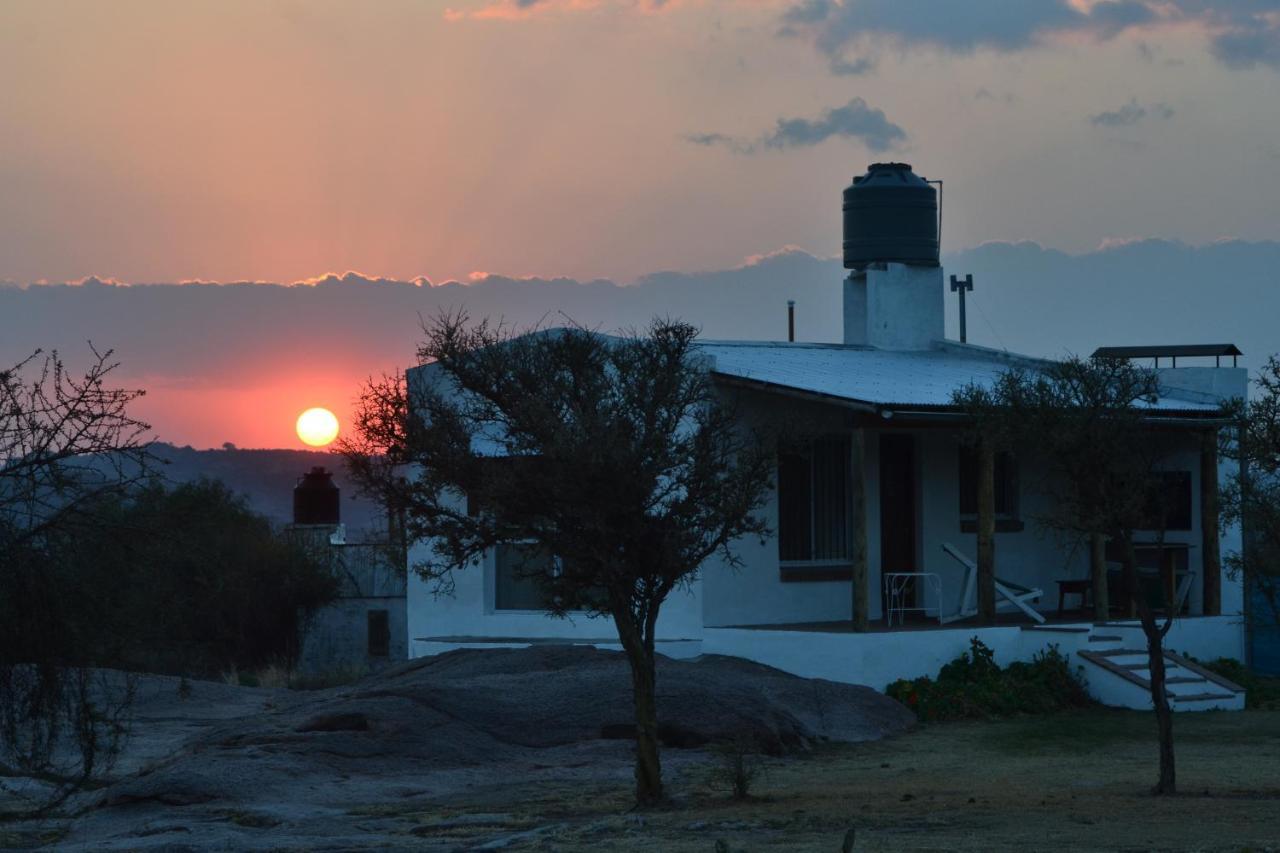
[1171, 350]
[882, 378]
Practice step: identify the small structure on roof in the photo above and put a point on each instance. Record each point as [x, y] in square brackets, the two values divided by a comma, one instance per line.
[1172, 351]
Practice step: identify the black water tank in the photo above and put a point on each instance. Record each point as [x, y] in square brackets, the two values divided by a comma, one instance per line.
[890, 214]
[315, 498]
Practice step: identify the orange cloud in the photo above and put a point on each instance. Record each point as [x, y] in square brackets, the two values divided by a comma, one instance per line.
[516, 10]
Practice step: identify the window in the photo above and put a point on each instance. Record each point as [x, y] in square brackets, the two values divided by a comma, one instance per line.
[379, 634]
[1006, 483]
[814, 501]
[515, 570]
[1168, 504]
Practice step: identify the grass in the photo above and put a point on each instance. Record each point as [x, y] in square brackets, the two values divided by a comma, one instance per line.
[277, 676]
[1072, 781]
[1103, 729]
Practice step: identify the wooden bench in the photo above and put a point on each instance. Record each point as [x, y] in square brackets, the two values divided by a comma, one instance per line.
[1081, 588]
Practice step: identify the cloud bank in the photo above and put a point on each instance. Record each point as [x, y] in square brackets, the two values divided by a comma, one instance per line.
[1242, 34]
[855, 120]
[1130, 113]
[237, 362]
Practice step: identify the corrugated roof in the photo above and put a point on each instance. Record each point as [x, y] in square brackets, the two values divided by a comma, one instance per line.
[891, 378]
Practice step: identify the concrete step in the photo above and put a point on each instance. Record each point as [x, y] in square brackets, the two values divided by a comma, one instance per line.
[1105, 638]
[1200, 697]
[1122, 678]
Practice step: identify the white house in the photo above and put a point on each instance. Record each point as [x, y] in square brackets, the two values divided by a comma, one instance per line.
[879, 409]
[363, 627]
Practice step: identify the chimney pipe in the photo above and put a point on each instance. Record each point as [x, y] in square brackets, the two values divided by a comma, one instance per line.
[791, 321]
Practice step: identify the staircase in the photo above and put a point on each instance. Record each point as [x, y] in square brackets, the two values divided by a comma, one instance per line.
[1118, 674]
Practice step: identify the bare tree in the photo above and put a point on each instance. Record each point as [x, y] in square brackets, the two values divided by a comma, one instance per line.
[611, 462]
[67, 443]
[1089, 420]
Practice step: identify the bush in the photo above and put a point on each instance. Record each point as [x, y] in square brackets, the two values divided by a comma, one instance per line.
[740, 763]
[973, 686]
[1261, 692]
[188, 580]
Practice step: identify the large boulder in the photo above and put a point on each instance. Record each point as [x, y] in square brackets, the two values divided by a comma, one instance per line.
[501, 708]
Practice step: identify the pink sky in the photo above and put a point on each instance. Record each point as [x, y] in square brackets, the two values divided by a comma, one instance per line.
[234, 140]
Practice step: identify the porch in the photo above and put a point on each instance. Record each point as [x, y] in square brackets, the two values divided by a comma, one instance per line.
[869, 502]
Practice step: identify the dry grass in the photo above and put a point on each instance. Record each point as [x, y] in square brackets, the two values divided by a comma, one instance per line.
[1070, 782]
[279, 676]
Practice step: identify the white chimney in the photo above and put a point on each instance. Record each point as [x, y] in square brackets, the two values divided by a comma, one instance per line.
[894, 306]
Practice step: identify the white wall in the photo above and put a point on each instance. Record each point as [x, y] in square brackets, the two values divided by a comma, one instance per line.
[468, 612]
[754, 594]
[878, 658]
[337, 636]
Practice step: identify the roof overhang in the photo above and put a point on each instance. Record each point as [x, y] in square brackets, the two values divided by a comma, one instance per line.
[941, 414]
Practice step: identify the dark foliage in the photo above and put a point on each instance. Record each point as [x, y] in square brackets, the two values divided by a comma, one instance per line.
[612, 461]
[190, 580]
[67, 444]
[1261, 692]
[100, 567]
[974, 686]
[1088, 419]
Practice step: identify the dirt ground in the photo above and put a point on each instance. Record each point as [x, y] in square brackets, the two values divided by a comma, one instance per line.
[1073, 782]
[1070, 782]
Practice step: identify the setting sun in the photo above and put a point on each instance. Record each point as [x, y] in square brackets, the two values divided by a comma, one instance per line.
[317, 427]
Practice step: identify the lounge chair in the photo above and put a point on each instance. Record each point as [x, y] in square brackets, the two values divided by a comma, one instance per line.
[1009, 594]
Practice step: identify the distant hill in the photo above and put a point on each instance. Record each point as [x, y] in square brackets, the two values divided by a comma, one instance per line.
[267, 477]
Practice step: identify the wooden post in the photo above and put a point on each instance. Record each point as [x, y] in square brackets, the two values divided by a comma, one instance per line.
[861, 589]
[1098, 573]
[986, 533]
[1211, 563]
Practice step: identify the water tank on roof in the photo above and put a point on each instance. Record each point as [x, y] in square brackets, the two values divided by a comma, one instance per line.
[315, 498]
[890, 215]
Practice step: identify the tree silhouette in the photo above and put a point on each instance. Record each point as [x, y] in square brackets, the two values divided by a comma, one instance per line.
[1087, 419]
[67, 445]
[612, 463]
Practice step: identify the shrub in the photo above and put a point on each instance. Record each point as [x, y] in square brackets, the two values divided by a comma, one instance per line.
[975, 686]
[740, 764]
[1261, 692]
[189, 579]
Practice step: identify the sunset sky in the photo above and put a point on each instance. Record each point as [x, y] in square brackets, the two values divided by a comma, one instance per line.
[166, 142]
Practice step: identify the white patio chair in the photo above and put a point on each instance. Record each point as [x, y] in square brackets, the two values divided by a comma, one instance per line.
[1010, 594]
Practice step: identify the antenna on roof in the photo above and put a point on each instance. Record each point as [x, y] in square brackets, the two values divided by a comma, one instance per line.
[962, 286]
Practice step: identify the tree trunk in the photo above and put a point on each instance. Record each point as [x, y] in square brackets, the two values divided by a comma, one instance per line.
[1159, 696]
[1098, 573]
[648, 761]
[638, 645]
[986, 533]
